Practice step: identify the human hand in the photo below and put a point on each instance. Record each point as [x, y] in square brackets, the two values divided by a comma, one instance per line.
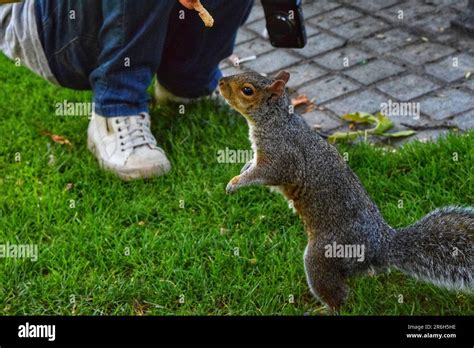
[189, 4]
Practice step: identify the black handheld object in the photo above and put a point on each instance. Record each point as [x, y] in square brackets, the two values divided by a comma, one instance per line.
[285, 23]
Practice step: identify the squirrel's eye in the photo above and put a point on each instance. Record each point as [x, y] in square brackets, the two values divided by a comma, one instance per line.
[247, 91]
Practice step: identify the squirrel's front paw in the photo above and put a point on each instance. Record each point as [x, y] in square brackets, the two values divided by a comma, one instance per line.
[232, 186]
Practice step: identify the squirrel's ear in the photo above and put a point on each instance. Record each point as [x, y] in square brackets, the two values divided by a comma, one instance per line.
[282, 75]
[276, 89]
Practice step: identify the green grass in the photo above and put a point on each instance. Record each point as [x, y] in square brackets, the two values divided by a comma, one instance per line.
[188, 251]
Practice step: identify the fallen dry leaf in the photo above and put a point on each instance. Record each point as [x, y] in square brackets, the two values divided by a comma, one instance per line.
[57, 138]
[300, 100]
[309, 108]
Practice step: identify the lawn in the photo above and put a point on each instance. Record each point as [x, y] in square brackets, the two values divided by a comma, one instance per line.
[178, 245]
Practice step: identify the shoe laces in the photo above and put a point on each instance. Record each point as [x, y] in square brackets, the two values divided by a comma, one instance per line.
[134, 131]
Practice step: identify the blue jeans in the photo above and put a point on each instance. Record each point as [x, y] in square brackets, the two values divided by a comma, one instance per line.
[114, 47]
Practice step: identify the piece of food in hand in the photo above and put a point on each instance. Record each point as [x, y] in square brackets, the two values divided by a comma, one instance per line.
[205, 16]
[203, 13]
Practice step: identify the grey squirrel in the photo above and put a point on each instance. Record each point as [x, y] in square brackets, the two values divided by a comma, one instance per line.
[335, 208]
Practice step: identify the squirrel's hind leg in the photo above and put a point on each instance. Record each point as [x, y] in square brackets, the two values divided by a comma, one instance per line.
[324, 279]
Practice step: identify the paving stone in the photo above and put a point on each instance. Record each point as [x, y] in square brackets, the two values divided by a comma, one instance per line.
[402, 121]
[470, 83]
[373, 71]
[320, 118]
[336, 60]
[319, 44]
[231, 70]
[254, 47]
[436, 22]
[423, 17]
[445, 69]
[446, 103]
[260, 26]
[372, 5]
[459, 4]
[250, 48]
[422, 136]
[404, 114]
[365, 101]
[243, 36]
[407, 87]
[256, 14]
[302, 73]
[466, 44]
[391, 40]
[328, 88]
[421, 53]
[448, 36]
[465, 121]
[271, 62]
[313, 8]
[412, 10]
[311, 30]
[359, 28]
[335, 17]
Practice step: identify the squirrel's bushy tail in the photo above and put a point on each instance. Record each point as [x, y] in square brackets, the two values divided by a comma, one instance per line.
[438, 248]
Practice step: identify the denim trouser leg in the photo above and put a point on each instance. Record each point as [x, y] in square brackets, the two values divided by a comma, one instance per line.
[132, 37]
[68, 31]
[115, 47]
[189, 67]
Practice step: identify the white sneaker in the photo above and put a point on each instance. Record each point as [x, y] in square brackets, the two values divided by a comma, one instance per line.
[162, 95]
[125, 146]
